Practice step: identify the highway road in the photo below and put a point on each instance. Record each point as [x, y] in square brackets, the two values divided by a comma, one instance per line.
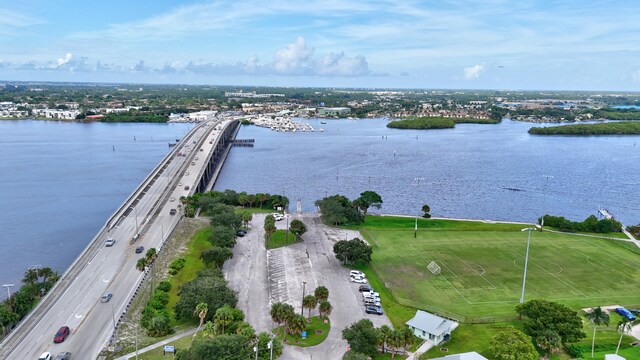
[112, 269]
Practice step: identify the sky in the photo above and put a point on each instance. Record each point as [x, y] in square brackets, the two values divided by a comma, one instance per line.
[453, 44]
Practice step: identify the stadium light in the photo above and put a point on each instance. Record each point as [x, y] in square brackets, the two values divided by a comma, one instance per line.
[526, 261]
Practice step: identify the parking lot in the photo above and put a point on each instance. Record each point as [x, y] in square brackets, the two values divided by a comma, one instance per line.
[262, 277]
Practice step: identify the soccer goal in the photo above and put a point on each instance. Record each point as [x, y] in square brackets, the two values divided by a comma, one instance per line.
[434, 268]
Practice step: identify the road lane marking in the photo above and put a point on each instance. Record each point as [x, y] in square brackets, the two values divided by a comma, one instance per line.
[60, 313]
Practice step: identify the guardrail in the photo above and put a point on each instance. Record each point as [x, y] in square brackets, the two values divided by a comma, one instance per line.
[61, 284]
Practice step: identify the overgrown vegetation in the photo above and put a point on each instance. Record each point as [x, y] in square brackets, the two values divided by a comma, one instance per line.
[339, 210]
[608, 128]
[424, 123]
[36, 283]
[206, 201]
[590, 224]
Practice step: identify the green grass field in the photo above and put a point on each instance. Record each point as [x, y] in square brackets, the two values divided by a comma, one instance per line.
[482, 267]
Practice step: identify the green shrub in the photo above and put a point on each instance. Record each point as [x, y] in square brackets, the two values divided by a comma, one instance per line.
[176, 265]
[164, 285]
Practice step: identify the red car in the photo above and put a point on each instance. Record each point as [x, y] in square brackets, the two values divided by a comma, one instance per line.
[61, 334]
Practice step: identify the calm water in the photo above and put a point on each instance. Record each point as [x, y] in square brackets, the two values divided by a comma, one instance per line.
[61, 181]
[473, 171]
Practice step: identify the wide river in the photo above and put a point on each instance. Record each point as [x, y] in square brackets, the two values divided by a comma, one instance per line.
[61, 181]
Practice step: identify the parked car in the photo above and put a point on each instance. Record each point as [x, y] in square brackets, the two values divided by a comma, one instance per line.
[371, 294]
[45, 356]
[106, 297]
[241, 232]
[358, 280]
[625, 313]
[63, 356]
[139, 249]
[371, 302]
[62, 334]
[110, 242]
[364, 288]
[367, 296]
[357, 273]
[373, 310]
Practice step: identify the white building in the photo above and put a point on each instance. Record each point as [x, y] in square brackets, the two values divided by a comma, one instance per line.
[431, 327]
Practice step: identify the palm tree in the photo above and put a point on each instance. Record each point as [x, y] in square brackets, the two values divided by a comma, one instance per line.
[383, 336]
[597, 317]
[407, 337]
[209, 329]
[276, 314]
[201, 310]
[394, 341]
[296, 324]
[287, 313]
[246, 330]
[625, 326]
[141, 264]
[321, 293]
[223, 317]
[48, 275]
[325, 308]
[151, 255]
[310, 303]
[30, 276]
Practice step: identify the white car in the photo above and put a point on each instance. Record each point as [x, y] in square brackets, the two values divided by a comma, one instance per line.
[356, 273]
[358, 280]
[45, 356]
[110, 242]
[172, 199]
[278, 216]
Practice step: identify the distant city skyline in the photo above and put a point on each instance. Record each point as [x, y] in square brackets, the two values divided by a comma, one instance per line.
[455, 44]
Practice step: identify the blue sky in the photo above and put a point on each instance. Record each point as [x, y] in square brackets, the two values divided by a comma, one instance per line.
[488, 44]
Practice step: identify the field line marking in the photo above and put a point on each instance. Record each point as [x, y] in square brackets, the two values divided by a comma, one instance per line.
[472, 269]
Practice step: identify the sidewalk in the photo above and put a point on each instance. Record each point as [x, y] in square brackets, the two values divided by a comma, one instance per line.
[158, 344]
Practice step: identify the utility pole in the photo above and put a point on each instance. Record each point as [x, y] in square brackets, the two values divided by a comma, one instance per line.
[8, 286]
[546, 182]
[526, 261]
[415, 231]
[304, 283]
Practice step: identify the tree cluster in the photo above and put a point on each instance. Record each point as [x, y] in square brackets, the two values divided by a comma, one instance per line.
[365, 339]
[36, 283]
[229, 337]
[550, 324]
[354, 251]
[590, 224]
[606, 128]
[206, 201]
[339, 210]
[208, 287]
[289, 322]
[513, 344]
[155, 317]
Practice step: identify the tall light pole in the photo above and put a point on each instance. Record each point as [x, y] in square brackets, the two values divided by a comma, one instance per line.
[8, 286]
[526, 261]
[286, 241]
[304, 283]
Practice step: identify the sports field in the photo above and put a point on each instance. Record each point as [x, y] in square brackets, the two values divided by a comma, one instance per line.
[482, 267]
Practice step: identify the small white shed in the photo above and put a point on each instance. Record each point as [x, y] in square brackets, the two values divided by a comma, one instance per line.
[432, 327]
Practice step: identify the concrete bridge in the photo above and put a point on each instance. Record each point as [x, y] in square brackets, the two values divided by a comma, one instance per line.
[144, 219]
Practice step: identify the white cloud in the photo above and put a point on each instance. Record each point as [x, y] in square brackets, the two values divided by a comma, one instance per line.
[293, 58]
[473, 72]
[65, 59]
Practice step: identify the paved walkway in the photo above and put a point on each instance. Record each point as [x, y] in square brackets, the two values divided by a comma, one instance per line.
[423, 348]
[158, 344]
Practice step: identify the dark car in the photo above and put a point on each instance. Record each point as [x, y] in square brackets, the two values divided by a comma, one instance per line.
[373, 310]
[172, 211]
[241, 233]
[61, 334]
[365, 288]
[63, 356]
[139, 249]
